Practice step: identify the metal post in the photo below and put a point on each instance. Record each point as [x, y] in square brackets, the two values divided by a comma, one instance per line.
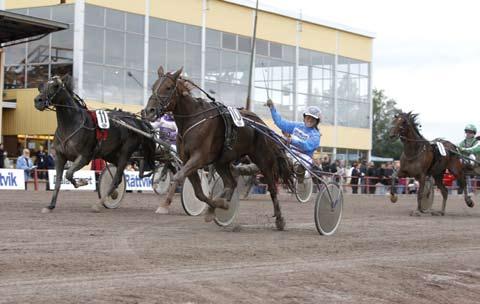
[204, 35]
[335, 99]
[254, 38]
[79, 31]
[295, 72]
[145, 52]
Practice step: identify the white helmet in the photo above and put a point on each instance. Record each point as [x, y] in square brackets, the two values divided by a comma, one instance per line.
[314, 112]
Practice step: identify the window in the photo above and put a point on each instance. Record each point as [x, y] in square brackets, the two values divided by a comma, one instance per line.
[134, 49]
[93, 45]
[261, 47]
[213, 38]
[175, 31]
[229, 41]
[193, 34]
[275, 50]
[94, 15]
[158, 28]
[115, 19]
[114, 53]
[135, 23]
[244, 44]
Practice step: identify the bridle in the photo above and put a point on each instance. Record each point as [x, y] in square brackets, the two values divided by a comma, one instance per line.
[164, 101]
[78, 103]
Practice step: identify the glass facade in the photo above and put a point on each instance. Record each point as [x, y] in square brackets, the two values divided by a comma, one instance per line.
[113, 68]
[29, 64]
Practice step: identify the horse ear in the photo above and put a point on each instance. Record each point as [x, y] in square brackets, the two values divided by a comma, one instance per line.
[160, 71]
[68, 82]
[177, 73]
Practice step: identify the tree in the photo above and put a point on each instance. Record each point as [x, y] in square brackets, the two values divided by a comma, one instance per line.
[384, 110]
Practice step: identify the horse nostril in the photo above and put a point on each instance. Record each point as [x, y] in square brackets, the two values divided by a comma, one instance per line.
[151, 110]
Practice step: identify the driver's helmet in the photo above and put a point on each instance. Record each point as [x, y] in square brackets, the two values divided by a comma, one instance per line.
[471, 127]
[314, 112]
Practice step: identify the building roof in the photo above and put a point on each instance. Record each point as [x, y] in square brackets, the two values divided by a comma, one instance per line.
[302, 17]
[17, 26]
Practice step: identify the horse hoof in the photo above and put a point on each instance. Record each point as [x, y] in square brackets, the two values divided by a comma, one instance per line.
[393, 198]
[96, 208]
[415, 213]
[114, 195]
[46, 210]
[162, 210]
[280, 223]
[209, 215]
[470, 203]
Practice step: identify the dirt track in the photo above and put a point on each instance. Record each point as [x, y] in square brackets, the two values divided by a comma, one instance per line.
[380, 254]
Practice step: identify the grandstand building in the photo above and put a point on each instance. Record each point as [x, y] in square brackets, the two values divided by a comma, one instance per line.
[113, 49]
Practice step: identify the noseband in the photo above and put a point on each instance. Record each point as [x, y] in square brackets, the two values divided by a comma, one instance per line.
[164, 101]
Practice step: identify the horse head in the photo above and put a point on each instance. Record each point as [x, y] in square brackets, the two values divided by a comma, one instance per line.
[51, 90]
[165, 94]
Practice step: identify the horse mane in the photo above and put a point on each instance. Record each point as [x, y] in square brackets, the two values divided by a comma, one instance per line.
[411, 119]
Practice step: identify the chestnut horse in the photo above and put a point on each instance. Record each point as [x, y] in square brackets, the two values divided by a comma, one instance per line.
[421, 159]
[200, 142]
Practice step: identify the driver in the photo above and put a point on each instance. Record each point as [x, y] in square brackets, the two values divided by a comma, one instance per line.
[304, 136]
[167, 129]
[470, 144]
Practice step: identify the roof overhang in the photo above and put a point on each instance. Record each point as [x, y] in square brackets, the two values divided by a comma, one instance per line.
[15, 27]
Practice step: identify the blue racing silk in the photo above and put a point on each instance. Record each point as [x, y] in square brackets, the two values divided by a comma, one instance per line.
[304, 138]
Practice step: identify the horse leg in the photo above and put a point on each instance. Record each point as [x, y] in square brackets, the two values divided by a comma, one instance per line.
[393, 195]
[79, 163]
[444, 191]
[197, 187]
[462, 184]
[421, 182]
[194, 163]
[266, 168]
[59, 165]
[117, 179]
[229, 182]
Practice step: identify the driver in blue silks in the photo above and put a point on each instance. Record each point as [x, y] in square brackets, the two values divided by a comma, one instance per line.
[305, 135]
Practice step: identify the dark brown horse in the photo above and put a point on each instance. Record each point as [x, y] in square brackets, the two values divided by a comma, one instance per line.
[421, 159]
[200, 142]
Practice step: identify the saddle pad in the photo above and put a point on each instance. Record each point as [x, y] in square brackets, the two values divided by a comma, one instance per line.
[441, 148]
[102, 119]
[236, 117]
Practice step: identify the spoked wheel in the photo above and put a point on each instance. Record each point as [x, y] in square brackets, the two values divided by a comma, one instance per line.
[426, 201]
[190, 203]
[225, 217]
[328, 209]
[104, 182]
[161, 180]
[245, 183]
[304, 189]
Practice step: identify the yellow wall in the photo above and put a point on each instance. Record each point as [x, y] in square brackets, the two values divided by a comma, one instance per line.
[354, 46]
[13, 4]
[276, 28]
[318, 38]
[136, 6]
[230, 18]
[25, 119]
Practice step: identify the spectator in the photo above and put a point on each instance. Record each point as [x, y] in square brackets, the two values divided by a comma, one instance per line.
[25, 162]
[2, 157]
[387, 181]
[372, 177]
[41, 163]
[363, 173]
[354, 178]
[412, 186]
[448, 179]
[326, 164]
[50, 165]
[6, 161]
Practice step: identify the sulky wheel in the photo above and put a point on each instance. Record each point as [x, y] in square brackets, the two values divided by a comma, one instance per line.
[303, 189]
[190, 203]
[104, 182]
[161, 180]
[225, 217]
[328, 208]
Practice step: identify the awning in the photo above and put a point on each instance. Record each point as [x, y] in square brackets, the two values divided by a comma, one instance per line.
[17, 26]
[380, 159]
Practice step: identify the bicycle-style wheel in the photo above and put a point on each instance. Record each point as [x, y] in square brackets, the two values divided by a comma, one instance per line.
[161, 180]
[304, 189]
[190, 203]
[104, 182]
[328, 209]
[225, 217]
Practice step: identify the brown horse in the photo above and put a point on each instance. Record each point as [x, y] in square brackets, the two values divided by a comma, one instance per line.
[421, 159]
[200, 142]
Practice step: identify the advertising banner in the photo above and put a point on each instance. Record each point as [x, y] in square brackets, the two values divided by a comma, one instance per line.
[135, 183]
[12, 179]
[66, 185]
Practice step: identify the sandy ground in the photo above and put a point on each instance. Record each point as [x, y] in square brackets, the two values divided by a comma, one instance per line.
[380, 254]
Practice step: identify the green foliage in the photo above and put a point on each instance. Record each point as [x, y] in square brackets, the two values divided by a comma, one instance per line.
[384, 110]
